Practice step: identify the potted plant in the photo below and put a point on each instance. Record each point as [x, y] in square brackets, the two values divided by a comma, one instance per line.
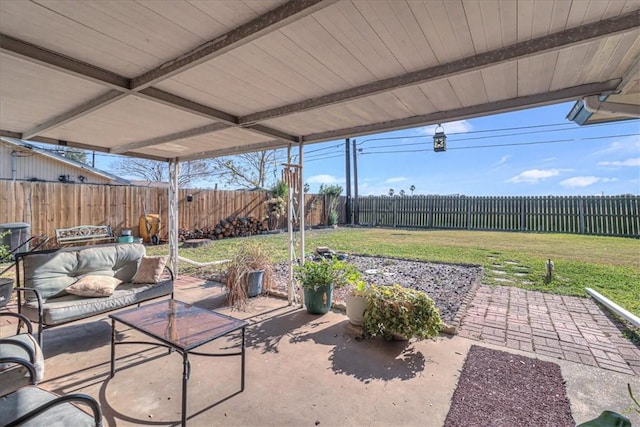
[249, 273]
[356, 302]
[318, 279]
[401, 313]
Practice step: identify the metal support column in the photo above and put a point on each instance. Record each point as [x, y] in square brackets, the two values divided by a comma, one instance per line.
[347, 162]
[301, 205]
[291, 289]
[355, 205]
[174, 172]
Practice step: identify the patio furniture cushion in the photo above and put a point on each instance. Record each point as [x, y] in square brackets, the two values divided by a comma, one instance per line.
[150, 269]
[52, 272]
[13, 375]
[72, 307]
[93, 286]
[28, 398]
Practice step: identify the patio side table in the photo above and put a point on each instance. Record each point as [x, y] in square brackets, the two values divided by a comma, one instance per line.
[181, 327]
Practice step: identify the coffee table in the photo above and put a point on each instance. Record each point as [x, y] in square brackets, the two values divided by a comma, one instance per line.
[180, 327]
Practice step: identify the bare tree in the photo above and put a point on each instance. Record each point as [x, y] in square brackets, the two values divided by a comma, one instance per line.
[153, 171]
[249, 170]
[73, 154]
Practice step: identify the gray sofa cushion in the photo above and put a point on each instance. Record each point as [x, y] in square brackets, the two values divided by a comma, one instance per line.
[51, 273]
[28, 398]
[71, 307]
[7, 349]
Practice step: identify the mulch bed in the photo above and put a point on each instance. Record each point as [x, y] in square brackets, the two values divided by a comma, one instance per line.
[502, 389]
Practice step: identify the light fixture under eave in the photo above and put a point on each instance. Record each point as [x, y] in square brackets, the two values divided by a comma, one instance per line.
[439, 139]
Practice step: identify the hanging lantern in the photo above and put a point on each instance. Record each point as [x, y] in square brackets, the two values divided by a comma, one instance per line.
[439, 139]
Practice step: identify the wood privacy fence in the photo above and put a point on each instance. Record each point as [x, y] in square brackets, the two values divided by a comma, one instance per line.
[609, 216]
[47, 206]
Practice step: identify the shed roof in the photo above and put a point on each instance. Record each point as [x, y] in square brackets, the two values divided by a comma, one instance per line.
[191, 79]
[25, 145]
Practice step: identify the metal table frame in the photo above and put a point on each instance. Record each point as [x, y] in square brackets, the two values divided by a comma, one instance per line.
[186, 366]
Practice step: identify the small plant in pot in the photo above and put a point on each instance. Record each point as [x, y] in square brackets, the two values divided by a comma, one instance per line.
[249, 273]
[356, 302]
[319, 278]
[401, 313]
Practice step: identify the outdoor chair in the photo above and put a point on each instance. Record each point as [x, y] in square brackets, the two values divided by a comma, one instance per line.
[21, 346]
[32, 406]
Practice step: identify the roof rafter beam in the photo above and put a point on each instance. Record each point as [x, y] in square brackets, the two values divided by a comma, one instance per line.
[573, 36]
[37, 55]
[271, 145]
[496, 107]
[80, 145]
[214, 127]
[271, 21]
[174, 101]
[75, 113]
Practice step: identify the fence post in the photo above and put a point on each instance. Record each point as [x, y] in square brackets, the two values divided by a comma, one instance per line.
[373, 212]
[395, 212]
[523, 214]
[581, 212]
[467, 201]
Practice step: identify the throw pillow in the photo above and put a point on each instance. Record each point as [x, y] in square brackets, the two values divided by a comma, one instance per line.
[150, 269]
[93, 286]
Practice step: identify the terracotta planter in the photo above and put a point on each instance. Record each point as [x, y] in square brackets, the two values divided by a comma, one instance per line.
[355, 308]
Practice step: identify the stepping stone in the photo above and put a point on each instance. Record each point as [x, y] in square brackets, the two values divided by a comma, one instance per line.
[498, 272]
[503, 280]
[512, 262]
[519, 274]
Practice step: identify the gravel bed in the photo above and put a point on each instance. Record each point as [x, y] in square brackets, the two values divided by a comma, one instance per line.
[500, 389]
[447, 284]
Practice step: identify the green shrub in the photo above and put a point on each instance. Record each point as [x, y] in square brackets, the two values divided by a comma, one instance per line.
[394, 310]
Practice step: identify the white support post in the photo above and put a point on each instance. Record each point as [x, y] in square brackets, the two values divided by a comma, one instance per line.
[174, 172]
[291, 293]
[301, 205]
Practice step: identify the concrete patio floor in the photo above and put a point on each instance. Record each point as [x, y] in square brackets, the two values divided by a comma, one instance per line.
[302, 370]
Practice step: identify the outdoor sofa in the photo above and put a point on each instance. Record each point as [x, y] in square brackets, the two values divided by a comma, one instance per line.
[59, 286]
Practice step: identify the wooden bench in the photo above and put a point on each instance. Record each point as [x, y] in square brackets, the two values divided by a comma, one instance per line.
[84, 234]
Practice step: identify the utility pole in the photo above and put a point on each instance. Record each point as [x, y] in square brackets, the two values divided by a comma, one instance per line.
[347, 159]
[356, 203]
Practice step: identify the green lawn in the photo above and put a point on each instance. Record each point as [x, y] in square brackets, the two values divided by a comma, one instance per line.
[609, 265]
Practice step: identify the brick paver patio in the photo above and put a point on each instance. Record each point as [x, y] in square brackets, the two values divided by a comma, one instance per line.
[563, 327]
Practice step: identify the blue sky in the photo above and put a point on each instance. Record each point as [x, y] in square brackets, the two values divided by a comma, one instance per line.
[546, 155]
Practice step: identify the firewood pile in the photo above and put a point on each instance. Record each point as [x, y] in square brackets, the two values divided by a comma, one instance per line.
[240, 226]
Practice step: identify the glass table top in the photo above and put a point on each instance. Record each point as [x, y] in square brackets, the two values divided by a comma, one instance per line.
[182, 325]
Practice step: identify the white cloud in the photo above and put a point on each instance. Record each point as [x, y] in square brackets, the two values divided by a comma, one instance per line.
[534, 175]
[628, 145]
[634, 162]
[459, 126]
[584, 181]
[395, 179]
[324, 179]
[502, 160]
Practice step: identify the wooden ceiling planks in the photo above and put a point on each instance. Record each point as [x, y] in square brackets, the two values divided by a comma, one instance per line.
[317, 73]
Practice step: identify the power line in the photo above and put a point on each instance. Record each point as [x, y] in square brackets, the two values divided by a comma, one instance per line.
[570, 127]
[471, 147]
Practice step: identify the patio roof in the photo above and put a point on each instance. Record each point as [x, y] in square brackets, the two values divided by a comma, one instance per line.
[181, 80]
